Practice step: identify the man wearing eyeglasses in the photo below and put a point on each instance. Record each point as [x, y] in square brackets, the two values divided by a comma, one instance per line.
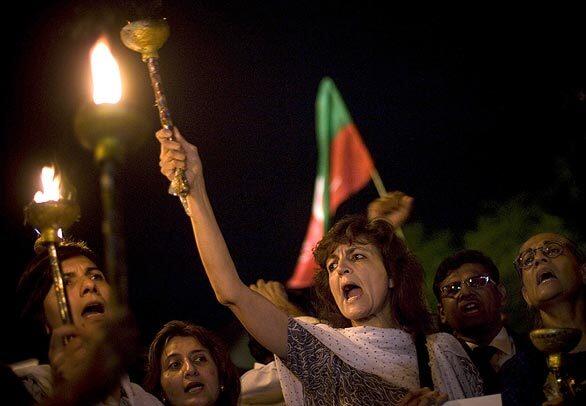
[553, 275]
[470, 302]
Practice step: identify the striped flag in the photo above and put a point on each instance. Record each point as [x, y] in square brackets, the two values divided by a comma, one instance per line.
[344, 167]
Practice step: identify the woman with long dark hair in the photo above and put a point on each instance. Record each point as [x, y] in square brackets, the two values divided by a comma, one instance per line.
[376, 347]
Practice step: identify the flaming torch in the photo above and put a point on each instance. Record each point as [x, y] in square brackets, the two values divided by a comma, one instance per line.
[51, 211]
[147, 37]
[108, 127]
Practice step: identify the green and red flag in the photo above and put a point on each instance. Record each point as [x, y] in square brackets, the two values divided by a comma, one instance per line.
[344, 167]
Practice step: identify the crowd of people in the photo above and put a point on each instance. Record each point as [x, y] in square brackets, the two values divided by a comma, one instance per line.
[372, 338]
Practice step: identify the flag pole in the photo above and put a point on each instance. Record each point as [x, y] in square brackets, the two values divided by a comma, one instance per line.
[378, 182]
[380, 188]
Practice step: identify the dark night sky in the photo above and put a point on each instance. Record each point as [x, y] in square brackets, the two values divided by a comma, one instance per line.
[455, 109]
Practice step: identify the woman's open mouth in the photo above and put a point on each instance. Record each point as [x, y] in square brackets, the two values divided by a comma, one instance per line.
[544, 276]
[194, 387]
[351, 292]
[92, 310]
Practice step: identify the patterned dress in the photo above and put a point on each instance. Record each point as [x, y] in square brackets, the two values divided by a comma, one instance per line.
[368, 366]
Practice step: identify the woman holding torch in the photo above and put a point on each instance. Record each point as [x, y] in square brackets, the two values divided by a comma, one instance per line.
[376, 348]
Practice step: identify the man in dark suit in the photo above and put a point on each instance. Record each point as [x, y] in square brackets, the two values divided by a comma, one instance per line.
[470, 302]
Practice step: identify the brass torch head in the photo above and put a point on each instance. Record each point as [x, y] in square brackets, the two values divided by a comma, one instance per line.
[109, 129]
[145, 36]
[49, 217]
[555, 340]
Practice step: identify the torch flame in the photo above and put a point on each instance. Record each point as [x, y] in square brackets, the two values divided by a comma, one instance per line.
[105, 75]
[51, 186]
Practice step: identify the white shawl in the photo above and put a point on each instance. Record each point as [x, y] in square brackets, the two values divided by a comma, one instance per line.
[391, 355]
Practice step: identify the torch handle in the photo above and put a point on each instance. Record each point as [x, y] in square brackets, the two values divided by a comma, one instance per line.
[179, 185]
[112, 230]
[160, 99]
[62, 301]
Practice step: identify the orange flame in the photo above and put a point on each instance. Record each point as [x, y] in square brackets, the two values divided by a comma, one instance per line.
[105, 74]
[51, 186]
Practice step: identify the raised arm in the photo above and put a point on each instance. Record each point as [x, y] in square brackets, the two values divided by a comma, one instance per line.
[260, 317]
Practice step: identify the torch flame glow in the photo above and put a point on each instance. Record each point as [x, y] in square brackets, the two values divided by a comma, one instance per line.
[51, 186]
[105, 75]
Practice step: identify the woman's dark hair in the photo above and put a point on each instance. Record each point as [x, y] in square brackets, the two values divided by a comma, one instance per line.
[406, 297]
[227, 372]
[36, 280]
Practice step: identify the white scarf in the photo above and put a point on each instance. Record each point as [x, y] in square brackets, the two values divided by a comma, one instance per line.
[391, 355]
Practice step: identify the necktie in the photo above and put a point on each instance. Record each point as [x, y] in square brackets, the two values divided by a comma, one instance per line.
[481, 356]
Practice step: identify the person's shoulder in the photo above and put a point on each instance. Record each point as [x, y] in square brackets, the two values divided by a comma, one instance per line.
[443, 339]
[310, 324]
[42, 370]
[527, 360]
[37, 379]
[307, 320]
[142, 397]
[447, 342]
[522, 342]
[259, 369]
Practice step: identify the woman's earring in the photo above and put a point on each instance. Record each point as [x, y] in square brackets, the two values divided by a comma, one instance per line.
[391, 283]
[221, 388]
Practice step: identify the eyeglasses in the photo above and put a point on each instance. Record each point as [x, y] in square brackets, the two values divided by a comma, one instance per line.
[476, 282]
[551, 249]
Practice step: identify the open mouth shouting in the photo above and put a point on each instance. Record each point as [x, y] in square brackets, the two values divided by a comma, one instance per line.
[545, 275]
[193, 387]
[351, 292]
[93, 310]
[470, 307]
